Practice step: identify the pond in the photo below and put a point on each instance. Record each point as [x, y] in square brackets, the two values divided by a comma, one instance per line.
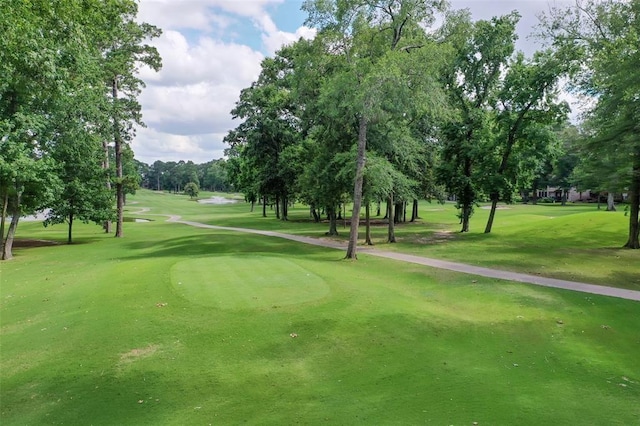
[218, 200]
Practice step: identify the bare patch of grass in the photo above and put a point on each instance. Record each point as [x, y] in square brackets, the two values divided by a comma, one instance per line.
[138, 353]
[436, 237]
[31, 243]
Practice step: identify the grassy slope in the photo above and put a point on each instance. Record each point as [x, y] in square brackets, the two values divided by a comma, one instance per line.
[175, 325]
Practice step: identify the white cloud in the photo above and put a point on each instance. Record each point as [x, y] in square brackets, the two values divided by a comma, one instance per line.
[207, 60]
[199, 14]
[151, 145]
[187, 105]
[180, 15]
[274, 39]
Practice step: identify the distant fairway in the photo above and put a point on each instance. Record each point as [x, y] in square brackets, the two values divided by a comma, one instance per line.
[178, 325]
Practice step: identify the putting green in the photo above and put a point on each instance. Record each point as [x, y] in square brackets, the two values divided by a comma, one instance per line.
[246, 282]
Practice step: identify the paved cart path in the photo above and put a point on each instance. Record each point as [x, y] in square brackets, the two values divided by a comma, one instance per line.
[434, 263]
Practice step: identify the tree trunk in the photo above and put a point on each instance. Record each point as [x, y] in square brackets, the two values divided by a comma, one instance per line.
[285, 208]
[7, 249]
[107, 225]
[357, 189]
[333, 222]
[5, 204]
[611, 207]
[253, 204]
[492, 213]
[344, 215]
[467, 197]
[634, 202]
[118, 151]
[264, 206]
[466, 215]
[564, 197]
[378, 209]
[391, 234]
[277, 207]
[397, 214]
[283, 201]
[367, 219]
[414, 211]
[315, 214]
[70, 228]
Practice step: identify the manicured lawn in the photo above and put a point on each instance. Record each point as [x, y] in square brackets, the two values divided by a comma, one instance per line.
[178, 325]
[574, 242]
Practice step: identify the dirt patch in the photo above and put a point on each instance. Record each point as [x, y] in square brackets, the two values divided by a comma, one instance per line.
[135, 354]
[435, 238]
[22, 243]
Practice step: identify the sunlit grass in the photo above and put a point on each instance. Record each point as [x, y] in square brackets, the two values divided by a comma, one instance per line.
[178, 325]
[576, 242]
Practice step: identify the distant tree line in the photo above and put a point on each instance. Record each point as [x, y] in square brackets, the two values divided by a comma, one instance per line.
[174, 176]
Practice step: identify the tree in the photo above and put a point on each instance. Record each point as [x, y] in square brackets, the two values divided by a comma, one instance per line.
[45, 55]
[602, 37]
[55, 55]
[191, 189]
[76, 148]
[215, 176]
[268, 128]
[482, 50]
[527, 99]
[27, 185]
[121, 40]
[596, 167]
[364, 33]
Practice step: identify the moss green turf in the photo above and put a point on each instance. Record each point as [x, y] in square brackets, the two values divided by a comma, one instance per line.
[178, 325]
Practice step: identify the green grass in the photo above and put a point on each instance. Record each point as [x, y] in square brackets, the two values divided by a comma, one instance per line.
[575, 242]
[178, 325]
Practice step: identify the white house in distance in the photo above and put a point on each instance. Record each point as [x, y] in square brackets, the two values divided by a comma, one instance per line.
[572, 196]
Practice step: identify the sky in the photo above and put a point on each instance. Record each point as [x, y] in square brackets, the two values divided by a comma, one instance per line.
[212, 49]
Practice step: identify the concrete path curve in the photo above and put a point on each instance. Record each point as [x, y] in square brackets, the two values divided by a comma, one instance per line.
[434, 263]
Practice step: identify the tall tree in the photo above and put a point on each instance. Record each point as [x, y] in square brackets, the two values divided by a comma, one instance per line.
[45, 54]
[527, 99]
[268, 128]
[364, 32]
[482, 50]
[603, 38]
[122, 40]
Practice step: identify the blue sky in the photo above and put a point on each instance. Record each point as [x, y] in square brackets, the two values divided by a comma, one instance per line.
[212, 49]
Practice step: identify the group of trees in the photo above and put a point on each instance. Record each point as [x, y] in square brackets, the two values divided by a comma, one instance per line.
[382, 107]
[68, 106]
[601, 38]
[175, 176]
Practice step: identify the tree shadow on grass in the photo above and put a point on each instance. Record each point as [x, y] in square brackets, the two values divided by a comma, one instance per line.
[137, 397]
[623, 279]
[30, 243]
[218, 244]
